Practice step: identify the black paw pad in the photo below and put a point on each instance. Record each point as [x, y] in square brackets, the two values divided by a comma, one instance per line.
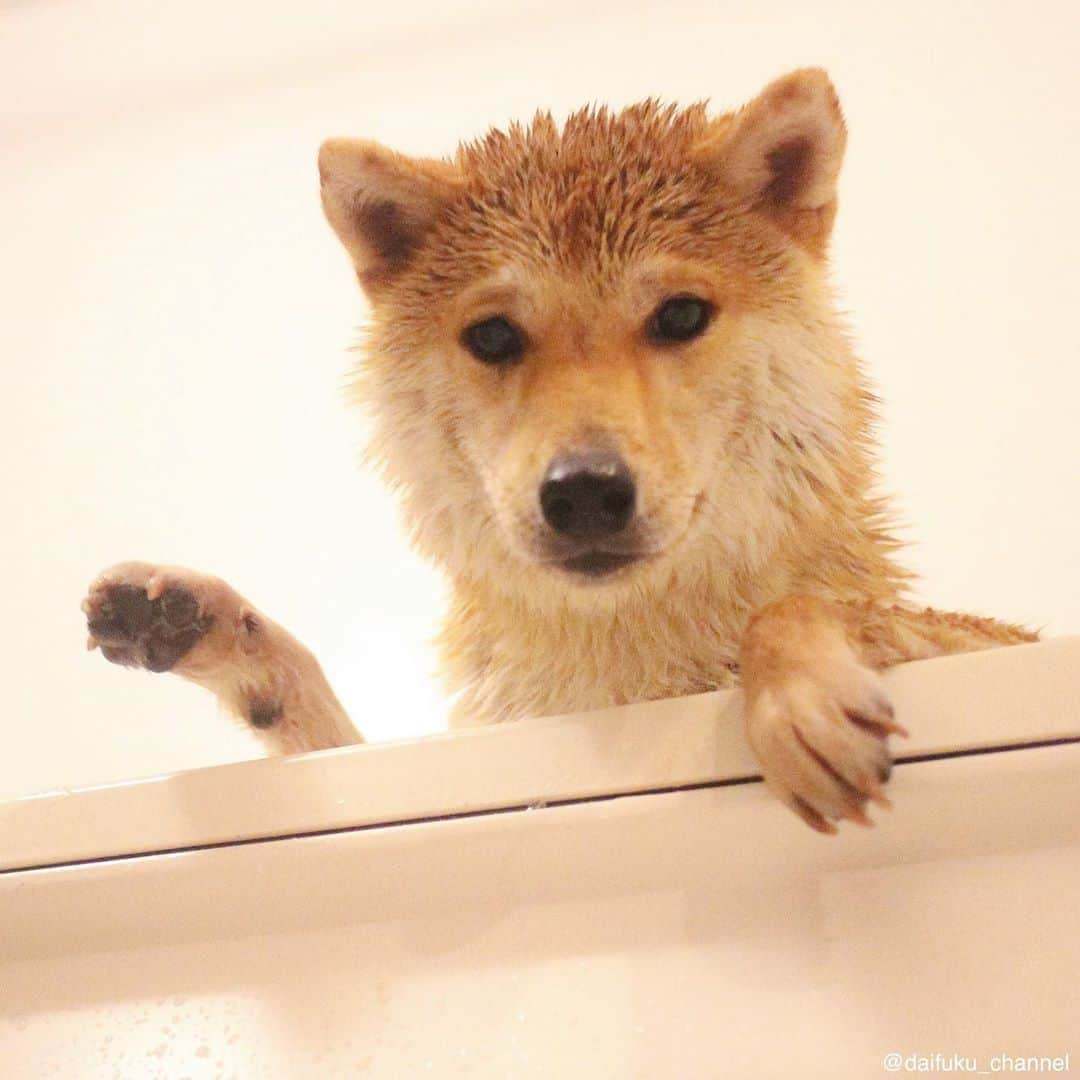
[139, 632]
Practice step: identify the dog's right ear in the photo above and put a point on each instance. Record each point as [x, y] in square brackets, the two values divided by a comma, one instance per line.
[382, 204]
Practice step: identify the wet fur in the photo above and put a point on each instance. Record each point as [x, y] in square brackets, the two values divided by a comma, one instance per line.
[770, 556]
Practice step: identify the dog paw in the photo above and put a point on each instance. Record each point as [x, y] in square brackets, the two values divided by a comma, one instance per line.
[148, 616]
[821, 740]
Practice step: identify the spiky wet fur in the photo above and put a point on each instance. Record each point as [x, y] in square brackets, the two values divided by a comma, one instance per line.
[790, 506]
[770, 554]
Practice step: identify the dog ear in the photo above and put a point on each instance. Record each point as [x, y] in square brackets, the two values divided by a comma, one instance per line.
[382, 204]
[781, 154]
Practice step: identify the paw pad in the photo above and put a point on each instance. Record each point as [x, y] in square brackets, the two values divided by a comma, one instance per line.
[135, 631]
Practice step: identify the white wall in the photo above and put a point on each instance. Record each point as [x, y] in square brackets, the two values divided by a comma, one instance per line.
[175, 312]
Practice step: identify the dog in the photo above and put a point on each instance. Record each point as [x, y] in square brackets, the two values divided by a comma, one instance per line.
[608, 380]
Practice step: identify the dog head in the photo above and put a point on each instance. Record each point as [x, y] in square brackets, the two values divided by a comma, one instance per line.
[595, 350]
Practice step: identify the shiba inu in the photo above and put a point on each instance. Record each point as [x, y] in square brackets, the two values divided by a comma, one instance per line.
[608, 382]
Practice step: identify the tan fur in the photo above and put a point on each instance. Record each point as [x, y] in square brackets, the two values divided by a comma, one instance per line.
[768, 551]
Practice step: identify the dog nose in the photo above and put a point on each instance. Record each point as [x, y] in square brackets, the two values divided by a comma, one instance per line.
[587, 495]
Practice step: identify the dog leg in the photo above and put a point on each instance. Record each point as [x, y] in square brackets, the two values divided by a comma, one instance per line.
[166, 618]
[817, 714]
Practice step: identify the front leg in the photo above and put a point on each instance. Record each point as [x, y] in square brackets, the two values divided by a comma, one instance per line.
[166, 618]
[817, 714]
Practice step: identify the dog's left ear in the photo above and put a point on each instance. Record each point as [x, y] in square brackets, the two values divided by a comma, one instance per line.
[781, 154]
[382, 205]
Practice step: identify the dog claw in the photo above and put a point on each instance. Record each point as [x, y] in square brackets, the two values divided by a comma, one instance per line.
[860, 817]
[817, 822]
[879, 798]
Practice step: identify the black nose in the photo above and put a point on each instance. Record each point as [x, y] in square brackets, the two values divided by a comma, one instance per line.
[587, 495]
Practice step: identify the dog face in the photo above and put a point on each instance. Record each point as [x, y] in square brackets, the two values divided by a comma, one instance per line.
[595, 350]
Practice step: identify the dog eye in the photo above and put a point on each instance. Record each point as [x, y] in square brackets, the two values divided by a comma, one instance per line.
[680, 319]
[494, 341]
